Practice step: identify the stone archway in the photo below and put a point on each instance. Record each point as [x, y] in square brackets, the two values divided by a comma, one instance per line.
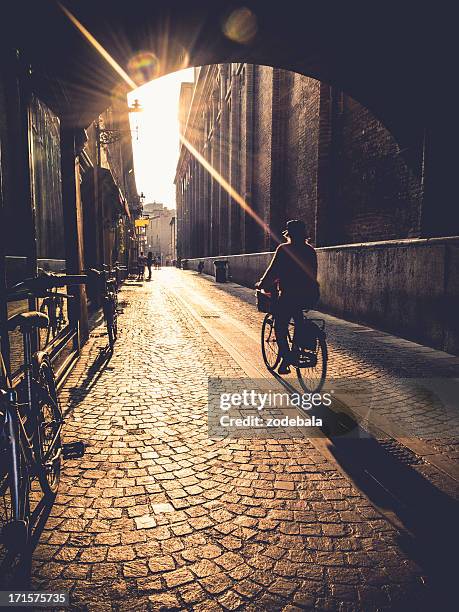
[381, 58]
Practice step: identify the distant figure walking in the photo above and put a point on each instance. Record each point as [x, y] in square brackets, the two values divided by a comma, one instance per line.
[150, 261]
[140, 267]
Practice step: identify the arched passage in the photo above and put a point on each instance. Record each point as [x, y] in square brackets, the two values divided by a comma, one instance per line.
[396, 59]
[388, 60]
[380, 56]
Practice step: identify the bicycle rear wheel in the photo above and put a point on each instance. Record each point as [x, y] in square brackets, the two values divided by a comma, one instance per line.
[312, 378]
[48, 445]
[269, 348]
[112, 329]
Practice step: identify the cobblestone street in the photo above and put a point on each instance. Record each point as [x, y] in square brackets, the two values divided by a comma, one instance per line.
[157, 516]
[179, 183]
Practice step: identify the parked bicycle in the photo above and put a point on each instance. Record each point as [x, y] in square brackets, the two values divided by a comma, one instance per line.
[108, 286]
[53, 307]
[308, 345]
[31, 418]
[120, 272]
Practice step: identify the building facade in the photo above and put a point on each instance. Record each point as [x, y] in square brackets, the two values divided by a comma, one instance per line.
[109, 194]
[291, 147]
[263, 145]
[158, 238]
[67, 201]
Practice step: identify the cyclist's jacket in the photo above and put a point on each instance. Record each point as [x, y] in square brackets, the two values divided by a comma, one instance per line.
[294, 270]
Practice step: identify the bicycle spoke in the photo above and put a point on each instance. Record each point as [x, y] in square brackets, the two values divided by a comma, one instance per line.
[49, 430]
[270, 350]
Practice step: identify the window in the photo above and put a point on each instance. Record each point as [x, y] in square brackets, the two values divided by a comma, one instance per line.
[46, 181]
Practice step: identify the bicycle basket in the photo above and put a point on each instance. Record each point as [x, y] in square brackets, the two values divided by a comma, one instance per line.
[264, 302]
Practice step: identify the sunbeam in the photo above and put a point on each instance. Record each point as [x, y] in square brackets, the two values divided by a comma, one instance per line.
[96, 44]
[228, 188]
[200, 158]
[239, 199]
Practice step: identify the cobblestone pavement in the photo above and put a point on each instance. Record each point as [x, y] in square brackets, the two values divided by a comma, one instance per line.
[392, 364]
[158, 516]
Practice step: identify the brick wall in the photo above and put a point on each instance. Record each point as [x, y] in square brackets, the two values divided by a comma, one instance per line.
[262, 142]
[293, 147]
[301, 151]
[378, 184]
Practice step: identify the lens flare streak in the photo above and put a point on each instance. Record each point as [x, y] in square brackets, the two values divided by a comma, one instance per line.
[239, 199]
[227, 187]
[96, 44]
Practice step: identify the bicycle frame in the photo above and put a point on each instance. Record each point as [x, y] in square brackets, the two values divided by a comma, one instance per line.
[19, 443]
[27, 413]
[16, 425]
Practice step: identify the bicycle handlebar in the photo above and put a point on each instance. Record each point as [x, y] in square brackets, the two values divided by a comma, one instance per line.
[54, 294]
[45, 281]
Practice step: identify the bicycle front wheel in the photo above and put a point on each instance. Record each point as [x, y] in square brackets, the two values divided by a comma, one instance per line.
[112, 329]
[48, 429]
[269, 347]
[115, 324]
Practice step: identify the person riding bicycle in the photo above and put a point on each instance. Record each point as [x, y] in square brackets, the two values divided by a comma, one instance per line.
[292, 274]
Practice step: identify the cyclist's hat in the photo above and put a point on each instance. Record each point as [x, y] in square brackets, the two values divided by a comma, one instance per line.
[295, 229]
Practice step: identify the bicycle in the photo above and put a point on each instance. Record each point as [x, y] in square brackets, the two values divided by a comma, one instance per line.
[53, 307]
[120, 272]
[308, 346]
[108, 287]
[31, 420]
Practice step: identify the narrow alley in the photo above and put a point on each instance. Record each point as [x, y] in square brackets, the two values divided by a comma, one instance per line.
[159, 516]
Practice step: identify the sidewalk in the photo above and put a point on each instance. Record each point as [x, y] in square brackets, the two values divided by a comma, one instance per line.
[391, 363]
[158, 516]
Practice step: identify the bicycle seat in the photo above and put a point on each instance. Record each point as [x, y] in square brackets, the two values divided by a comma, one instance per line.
[28, 320]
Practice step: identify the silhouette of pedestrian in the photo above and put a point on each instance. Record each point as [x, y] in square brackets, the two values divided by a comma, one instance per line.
[150, 261]
[140, 266]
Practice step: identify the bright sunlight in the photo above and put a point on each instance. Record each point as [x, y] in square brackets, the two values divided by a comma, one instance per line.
[156, 141]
